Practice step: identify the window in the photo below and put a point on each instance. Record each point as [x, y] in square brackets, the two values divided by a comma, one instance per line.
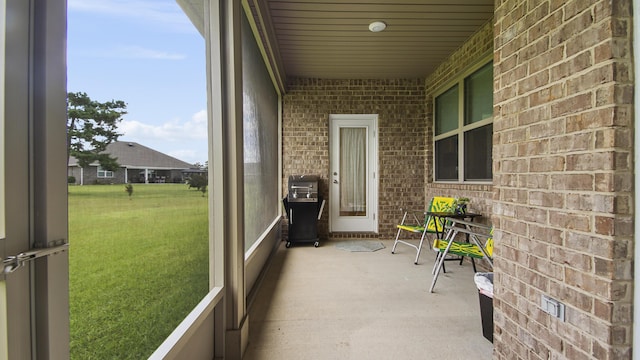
[463, 124]
[102, 173]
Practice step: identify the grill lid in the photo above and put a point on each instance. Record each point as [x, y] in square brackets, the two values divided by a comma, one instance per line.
[303, 188]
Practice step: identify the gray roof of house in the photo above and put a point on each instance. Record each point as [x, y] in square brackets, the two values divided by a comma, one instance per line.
[133, 155]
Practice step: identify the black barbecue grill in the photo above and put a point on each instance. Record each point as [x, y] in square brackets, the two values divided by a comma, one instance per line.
[304, 208]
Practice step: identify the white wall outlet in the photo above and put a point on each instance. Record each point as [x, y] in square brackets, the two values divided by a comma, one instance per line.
[552, 307]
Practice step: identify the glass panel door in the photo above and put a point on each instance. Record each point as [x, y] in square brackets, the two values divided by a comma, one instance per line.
[353, 170]
[353, 189]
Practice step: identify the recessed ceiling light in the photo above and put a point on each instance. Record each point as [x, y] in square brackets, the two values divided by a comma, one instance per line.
[377, 26]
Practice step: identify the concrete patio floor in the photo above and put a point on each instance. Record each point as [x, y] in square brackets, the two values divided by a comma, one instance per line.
[328, 303]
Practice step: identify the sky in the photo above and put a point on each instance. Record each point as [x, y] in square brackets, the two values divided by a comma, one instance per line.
[149, 55]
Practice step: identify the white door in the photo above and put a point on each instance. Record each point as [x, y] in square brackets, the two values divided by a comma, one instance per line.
[353, 183]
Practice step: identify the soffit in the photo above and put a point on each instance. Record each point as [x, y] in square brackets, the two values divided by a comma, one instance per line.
[331, 39]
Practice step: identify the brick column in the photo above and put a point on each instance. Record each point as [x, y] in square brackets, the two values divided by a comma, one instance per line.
[563, 178]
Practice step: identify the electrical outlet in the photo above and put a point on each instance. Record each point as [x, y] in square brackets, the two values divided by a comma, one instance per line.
[552, 307]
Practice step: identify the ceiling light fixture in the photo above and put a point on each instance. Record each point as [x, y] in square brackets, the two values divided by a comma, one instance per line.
[377, 26]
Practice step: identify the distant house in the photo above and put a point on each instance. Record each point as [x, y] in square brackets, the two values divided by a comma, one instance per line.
[138, 164]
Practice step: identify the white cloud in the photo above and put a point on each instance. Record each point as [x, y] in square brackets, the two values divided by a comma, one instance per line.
[184, 140]
[170, 131]
[162, 13]
[134, 52]
[188, 155]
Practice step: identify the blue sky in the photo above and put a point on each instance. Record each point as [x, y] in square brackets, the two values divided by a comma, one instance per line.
[148, 54]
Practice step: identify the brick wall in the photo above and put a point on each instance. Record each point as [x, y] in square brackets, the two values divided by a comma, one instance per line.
[478, 47]
[400, 108]
[563, 178]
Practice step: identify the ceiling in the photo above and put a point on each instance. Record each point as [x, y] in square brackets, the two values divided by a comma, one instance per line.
[331, 39]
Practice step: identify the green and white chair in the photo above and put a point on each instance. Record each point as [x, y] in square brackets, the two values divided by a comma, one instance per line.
[478, 246]
[425, 224]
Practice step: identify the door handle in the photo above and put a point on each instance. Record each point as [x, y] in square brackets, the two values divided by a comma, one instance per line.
[335, 181]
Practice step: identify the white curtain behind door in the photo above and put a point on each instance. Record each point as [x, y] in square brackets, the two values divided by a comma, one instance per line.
[353, 170]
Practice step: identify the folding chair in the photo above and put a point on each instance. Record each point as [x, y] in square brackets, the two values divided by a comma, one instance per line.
[479, 245]
[428, 224]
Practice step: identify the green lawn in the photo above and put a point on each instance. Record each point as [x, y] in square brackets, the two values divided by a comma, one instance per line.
[137, 266]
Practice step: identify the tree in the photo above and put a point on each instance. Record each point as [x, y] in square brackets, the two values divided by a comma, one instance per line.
[200, 166]
[129, 189]
[91, 126]
[198, 181]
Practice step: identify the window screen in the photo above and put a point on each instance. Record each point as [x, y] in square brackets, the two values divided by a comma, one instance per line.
[260, 121]
[447, 159]
[463, 144]
[447, 111]
[478, 95]
[477, 153]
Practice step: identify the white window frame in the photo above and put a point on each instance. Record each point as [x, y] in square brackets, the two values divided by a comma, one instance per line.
[105, 173]
[462, 128]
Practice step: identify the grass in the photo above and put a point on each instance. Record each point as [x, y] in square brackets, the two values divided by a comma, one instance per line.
[137, 266]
